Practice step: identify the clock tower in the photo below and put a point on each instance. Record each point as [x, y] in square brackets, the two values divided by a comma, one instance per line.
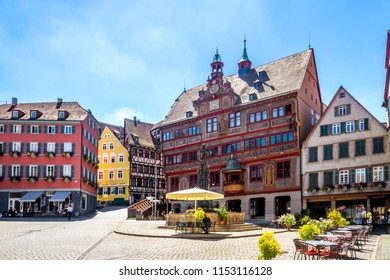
[216, 70]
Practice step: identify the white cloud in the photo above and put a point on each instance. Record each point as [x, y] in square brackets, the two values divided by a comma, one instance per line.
[118, 115]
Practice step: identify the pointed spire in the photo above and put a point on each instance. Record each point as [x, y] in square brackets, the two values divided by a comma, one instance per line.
[217, 57]
[244, 65]
[244, 56]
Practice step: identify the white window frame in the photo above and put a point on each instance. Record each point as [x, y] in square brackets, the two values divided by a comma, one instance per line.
[105, 159]
[105, 191]
[343, 176]
[15, 170]
[16, 146]
[68, 129]
[361, 125]
[120, 174]
[51, 129]
[342, 110]
[336, 128]
[17, 128]
[112, 158]
[111, 175]
[111, 145]
[51, 147]
[34, 146]
[1, 171]
[120, 191]
[377, 174]
[34, 129]
[350, 126]
[101, 175]
[68, 147]
[67, 170]
[2, 128]
[360, 175]
[50, 169]
[33, 170]
[121, 158]
[104, 146]
[15, 114]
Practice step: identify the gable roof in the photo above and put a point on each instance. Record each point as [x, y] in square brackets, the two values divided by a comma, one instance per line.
[285, 76]
[116, 130]
[49, 111]
[135, 129]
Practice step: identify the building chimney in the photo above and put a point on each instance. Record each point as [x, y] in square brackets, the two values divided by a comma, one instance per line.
[59, 102]
[14, 101]
[135, 121]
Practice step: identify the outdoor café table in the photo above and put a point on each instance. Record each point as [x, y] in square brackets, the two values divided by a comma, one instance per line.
[331, 237]
[320, 244]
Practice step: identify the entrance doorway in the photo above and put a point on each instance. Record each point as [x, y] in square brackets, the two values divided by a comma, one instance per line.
[234, 205]
[257, 209]
[282, 205]
[319, 209]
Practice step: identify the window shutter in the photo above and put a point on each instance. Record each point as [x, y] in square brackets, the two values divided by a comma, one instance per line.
[348, 109]
[62, 129]
[28, 170]
[109, 191]
[21, 148]
[336, 177]
[329, 129]
[38, 171]
[55, 171]
[9, 171]
[39, 148]
[56, 129]
[73, 129]
[73, 147]
[11, 128]
[29, 129]
[62, 171]
[72, 171]
[40, 129]
[336, 111]
[44, 170]
[45, 148]
[28, 146]
[10, 147]
[45, 129]
[369, 174]
[342, 127]
[386, 173]
[366, 124]
[100, 191]
[62, 148]
[22, 128]
[352, 176]
[55, 148]
[5, 128]
[21, 171]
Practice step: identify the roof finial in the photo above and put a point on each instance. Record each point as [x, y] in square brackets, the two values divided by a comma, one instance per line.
[244, 54]
[185, 85]
[309, 41]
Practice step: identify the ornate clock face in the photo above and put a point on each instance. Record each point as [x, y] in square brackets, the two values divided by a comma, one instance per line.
[214, 105]
[214, 88]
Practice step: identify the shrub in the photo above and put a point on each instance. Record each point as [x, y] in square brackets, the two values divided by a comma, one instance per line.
[307, 232]
[222, 214]
[288, 220]
[322, 224]
[336, 219]
[305, 220]
[268, 246]
[199, 214]
[297, 216]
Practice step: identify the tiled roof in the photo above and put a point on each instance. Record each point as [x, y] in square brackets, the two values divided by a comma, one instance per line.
[284, 76]
[115, 129]
[49, 111]
[139, 130]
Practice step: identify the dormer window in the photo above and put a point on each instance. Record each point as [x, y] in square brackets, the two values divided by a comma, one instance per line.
[258, 85]
[252, 96]
[189, 114]
[33, 114]
[263, 77]
[15, 114]
[61, 115]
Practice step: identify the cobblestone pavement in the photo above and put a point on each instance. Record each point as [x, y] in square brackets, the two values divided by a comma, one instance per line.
[109, 236]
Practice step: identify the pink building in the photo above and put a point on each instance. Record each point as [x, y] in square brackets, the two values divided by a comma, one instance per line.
[48, 158]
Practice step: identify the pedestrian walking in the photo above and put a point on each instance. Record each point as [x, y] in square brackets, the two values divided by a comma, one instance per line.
[69, 211]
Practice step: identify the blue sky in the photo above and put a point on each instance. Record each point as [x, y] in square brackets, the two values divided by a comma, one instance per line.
[133, 58]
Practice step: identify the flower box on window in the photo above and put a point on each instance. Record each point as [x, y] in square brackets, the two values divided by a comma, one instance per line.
[67, 154]
[32, 154]
[313, 189]
[66, 179]
[15, 179]
[50, 154]
[328, 188]
[32, 179]
[49, 179]
[343, 187]
[15, 154]
[380, 185]
[359, 186]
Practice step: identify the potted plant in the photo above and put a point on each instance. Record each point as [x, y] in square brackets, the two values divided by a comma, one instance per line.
[288, 220]
[337, 219]
[307, 232]
[32, 154]
[66, 179]
[15, 154]
[15, 179]
[199, 214]
[268, 246]
[313, 189]
[67, 154]
[380, 185]
[327, 188]
[49, 154]
[32, 179]
[49, 179]
[359, 186]
[343, 187]
[222, 215]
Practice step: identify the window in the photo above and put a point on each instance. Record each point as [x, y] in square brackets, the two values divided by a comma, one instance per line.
[328, 178]
[33, 147]
[193, 181]
[188, 114]
[17, 128]
[16, 147]
[51, 147]
[120, 191]
[141, 153]
[264, 115]
[111, 145]
[360, 147]
[105, 158]
[253, 96]
[15, 170]
[342, 95]
[61, 115]
[67, 170]
[249, 144]
[112, 158]
[101, 175]
[111, 175]
[15, 114]
[283, 169]
[180, 133]
[104, 146]
[378, 174]
[234, 119]
[184, 157]
[275, 139]
[313, 154]
[378, 145]
[68, 129]
[105, 191]
[2, 148]
[350, 126]
[342, 110]
[363, 124]
[2, 128]
[336, 128]
[174, 183]
[51, 129]
[328, 152]
[214, 178]
[213, 152]
[50, 171]
[84, 201]
[344, 177]
[278, 112]
[194, 130]
[167, 136]
[231, 148]
[343, 150]
[261, 142]
[360, 175]
[34, 129]
[193, 155]
[33, 171]
[33, 114]
[120, 174]
[121, 158]
[68, 147]
[256, 173]
[312, 117]
[313, 179]
[212, 125]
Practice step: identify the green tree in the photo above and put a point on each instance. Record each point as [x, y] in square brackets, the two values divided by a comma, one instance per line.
[268, 246]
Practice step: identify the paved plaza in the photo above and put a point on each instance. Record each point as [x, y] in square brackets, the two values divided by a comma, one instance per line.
[108, 235]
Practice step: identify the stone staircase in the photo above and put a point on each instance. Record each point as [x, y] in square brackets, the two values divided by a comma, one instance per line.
[141, 209]
[141, 205]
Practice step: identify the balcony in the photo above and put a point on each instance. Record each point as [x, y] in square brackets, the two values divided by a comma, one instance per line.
[233, 186]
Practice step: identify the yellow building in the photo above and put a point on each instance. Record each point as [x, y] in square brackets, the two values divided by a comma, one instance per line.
[114, 168]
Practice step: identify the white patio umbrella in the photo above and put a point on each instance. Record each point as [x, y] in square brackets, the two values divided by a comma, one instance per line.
[194, 194]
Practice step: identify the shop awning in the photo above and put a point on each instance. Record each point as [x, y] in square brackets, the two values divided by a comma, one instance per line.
[31, 196]
[59, 196]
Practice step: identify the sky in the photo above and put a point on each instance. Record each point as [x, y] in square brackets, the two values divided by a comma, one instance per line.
[122, 58]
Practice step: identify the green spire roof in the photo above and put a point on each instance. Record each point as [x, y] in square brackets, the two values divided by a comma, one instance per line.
[232, 165]
[244, 56]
